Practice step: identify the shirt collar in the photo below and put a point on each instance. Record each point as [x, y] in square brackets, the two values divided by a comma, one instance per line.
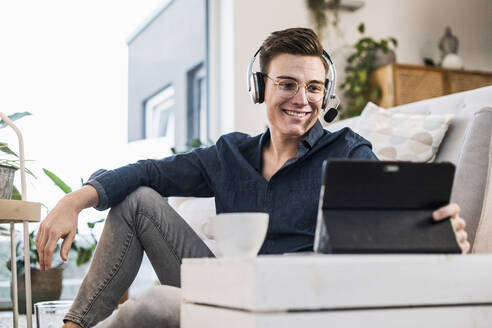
[312, 137]
[306, 143]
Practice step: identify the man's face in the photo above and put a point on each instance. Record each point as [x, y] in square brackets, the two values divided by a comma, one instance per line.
[293, 116]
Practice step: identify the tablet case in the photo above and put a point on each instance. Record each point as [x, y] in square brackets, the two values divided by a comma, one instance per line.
[384, 207]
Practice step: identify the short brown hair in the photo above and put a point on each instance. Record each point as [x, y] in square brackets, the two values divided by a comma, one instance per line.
[294, 41]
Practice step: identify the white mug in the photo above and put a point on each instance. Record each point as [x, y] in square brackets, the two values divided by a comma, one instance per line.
[239, 234]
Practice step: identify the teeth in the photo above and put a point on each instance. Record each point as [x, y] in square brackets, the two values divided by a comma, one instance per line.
[296, 114]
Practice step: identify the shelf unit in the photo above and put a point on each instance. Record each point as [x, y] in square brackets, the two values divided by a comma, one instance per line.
[404, 83]
[20, 211]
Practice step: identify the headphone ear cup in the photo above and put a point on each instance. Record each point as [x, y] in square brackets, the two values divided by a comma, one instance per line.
[257, 88]
[253, 88]
[327, 94]
[261, 87]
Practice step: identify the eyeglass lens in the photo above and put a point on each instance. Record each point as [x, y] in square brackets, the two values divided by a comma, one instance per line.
[289, 88]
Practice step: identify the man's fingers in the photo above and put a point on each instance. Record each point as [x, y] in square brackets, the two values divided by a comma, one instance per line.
[458, 223]
[40, 242]
[446, 211]
[465, 247]
[462, 236]
[65, 247]
[48, 250]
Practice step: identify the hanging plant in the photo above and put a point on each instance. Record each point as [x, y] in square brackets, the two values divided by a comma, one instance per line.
[368, 55]
[319, 9]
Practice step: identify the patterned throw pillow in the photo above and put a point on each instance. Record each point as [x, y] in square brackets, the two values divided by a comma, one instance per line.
[396, 136]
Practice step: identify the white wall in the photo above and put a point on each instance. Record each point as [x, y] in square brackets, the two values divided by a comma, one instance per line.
[416, 24]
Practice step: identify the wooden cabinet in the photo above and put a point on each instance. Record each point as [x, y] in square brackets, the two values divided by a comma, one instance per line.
[402, 83]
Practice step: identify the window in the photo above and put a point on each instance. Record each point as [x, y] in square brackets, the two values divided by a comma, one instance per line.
[197, 118]
[159, 115]
[161, 54]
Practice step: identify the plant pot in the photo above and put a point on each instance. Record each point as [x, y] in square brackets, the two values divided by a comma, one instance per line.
[45, 286]
[6, 181]
[382, 58]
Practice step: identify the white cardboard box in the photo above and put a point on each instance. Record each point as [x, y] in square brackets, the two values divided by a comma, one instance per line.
[200, 316]
[328, 282]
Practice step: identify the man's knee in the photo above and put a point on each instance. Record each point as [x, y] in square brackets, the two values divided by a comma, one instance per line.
[144, 197]
[143, 200]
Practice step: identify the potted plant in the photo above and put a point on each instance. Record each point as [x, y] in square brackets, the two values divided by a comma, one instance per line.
[47, 285]
[368, 55]
[9, 163]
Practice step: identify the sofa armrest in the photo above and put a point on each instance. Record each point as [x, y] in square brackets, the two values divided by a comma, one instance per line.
[472, 177]
[483, 236]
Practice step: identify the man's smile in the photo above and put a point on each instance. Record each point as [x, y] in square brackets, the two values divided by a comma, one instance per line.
[294, 113]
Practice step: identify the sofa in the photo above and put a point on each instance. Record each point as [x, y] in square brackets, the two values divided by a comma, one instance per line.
[467, 144]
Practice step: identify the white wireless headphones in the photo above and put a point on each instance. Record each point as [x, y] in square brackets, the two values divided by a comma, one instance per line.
[256, 86]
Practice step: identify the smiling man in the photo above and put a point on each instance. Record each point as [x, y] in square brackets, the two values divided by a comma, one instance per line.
[277, 172]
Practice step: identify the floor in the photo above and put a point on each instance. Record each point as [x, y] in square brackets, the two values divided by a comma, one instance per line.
[6, 320]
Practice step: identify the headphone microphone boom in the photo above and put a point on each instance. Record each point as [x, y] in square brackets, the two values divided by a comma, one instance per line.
[256, 87]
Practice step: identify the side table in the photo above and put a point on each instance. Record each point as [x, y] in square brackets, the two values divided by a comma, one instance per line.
[338, 291]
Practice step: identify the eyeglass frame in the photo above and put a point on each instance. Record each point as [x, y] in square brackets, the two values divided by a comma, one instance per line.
[277, 82]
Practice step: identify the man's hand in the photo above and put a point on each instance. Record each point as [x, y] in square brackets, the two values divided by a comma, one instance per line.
[453, 210]
[61, 223]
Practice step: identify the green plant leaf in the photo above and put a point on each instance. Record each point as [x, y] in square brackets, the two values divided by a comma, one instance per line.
[374, 94]
[16, 195]
[58, 182]
[366, 40]
[394, 41]
[4, 148]
[83, 255]
[195, 143]
[92, 224]
[362, 75]
[351, 59]
[360, 101]
[14, 117]
[361, 28]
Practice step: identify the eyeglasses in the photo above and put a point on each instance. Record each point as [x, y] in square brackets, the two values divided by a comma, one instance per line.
[288, 88]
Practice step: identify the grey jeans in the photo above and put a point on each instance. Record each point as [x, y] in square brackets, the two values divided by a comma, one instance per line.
[142, 222]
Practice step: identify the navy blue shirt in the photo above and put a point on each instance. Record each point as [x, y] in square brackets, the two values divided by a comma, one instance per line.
[230, 171]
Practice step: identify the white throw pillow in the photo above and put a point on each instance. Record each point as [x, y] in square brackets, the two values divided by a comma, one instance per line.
[197, 212]
[396, 136]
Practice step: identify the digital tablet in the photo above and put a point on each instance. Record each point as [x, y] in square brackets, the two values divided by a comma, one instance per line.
[384, 207]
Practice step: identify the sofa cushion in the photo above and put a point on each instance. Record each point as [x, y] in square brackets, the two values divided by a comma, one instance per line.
[402, 136]
[472, 171]
[197, 212]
